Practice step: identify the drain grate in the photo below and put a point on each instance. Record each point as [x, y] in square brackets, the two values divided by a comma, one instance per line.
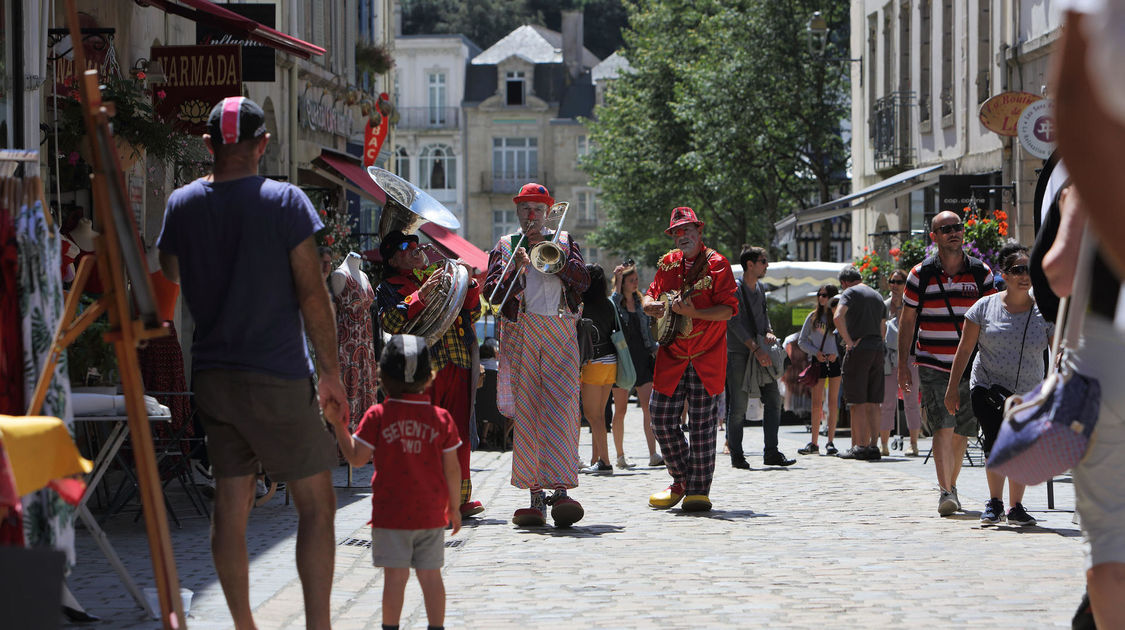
[356, 542]
[454, 543]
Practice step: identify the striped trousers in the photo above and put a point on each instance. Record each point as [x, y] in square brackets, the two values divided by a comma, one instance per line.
[542, 352]
[692, 465]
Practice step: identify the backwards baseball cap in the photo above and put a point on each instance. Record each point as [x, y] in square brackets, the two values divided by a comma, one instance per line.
[234, 119]
[682, 216]
[405, 358]
[392, 243]
[536, 193]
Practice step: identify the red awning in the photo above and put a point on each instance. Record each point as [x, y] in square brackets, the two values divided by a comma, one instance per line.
[457, 246]
[353, 173]
[209, 13]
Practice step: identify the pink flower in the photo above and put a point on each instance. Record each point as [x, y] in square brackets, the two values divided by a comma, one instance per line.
[161, 94]
[72, 159]
[141, 76]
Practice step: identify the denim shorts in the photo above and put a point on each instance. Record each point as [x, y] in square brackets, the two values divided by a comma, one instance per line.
[933, 383]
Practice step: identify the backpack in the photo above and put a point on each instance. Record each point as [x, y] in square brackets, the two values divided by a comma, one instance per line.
[930, 268]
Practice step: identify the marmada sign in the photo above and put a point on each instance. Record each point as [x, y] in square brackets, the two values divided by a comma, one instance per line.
[195, 78]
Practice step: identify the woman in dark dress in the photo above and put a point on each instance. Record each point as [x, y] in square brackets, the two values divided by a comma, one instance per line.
[599, 373]
[627, 298]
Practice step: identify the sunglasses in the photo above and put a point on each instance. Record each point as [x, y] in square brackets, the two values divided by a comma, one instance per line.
[951, 228]
[405, 245]
[1017, 270]
[896, 281]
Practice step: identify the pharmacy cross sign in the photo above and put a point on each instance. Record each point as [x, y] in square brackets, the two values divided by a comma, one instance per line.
[1036, 129]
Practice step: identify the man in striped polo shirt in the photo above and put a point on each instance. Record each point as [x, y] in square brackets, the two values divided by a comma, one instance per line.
[939, 291]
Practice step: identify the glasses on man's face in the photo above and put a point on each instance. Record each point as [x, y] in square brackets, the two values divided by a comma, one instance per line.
[951, 228]
[896, 281]
[1017, 270]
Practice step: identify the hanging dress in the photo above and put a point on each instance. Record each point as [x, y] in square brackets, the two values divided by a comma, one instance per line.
[357, 352]
[48, 519]
[11, 337]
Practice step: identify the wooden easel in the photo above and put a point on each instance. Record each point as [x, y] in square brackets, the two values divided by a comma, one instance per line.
[129, 302]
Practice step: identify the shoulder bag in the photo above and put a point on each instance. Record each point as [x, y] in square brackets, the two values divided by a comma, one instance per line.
[1047, 430]
[811, 374]
[626, 371]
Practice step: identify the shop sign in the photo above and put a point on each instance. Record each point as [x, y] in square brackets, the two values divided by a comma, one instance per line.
[195, 78]
[955, 192]
[1001, 113]
[257, 59]
[1036, 129]
[324, 114]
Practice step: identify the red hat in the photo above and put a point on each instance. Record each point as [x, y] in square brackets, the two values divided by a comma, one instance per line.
[534, 192]
[682, 216]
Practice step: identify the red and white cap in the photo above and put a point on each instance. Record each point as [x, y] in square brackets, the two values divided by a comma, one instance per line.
[234, 119]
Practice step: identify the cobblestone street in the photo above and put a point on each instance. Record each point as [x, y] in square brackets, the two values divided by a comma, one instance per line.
[824, 542]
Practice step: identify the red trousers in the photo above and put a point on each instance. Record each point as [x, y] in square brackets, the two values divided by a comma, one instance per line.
[451, 391]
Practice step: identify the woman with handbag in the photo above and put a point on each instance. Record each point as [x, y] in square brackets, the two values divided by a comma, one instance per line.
[818, 340]
[1010, 335]
[910, 402]
[642, 351]
[599, 372]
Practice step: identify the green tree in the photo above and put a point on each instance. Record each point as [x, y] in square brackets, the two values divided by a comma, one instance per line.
[725, 111]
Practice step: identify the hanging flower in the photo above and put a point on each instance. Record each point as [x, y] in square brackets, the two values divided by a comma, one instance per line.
[895, 252]
[161, 95]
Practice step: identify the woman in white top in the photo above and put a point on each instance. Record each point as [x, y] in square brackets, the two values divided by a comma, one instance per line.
[818, 340]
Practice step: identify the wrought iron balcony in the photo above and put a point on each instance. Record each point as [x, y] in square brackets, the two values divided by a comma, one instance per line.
[429, 118]
[891, 131]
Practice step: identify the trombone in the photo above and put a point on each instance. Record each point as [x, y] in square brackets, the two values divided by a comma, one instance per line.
[547, 257]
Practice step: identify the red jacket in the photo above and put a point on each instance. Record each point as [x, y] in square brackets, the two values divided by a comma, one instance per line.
[705, 347]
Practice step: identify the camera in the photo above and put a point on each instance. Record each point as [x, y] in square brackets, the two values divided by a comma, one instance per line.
[629, 262]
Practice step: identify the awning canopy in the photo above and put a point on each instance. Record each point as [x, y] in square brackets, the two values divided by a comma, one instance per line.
[794, 281]
[213, 15]
[898, 184]
[346, 171]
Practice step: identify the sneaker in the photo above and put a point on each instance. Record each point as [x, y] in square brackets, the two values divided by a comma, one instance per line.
[947, 504]
[956, 499]
[913, 452]
[1019, 516]
[260, 488]
[993, 512]
[854, 452]
[623, 463]
[810, 449]
[777, 458]
[599, 468]
[830, 449]
[883, 450]
[656, 460]
[873, 454]
[739, 462]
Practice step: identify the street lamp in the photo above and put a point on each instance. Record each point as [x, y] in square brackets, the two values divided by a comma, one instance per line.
[817, 33]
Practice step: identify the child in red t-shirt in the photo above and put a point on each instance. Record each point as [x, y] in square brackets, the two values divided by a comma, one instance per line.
[416, 488]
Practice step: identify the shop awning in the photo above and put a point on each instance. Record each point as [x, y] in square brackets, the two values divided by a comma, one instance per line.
[348, 173]
[898, 184]
[213, 15]
[456, 246]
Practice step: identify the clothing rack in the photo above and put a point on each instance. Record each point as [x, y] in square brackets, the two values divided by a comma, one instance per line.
[26, 189]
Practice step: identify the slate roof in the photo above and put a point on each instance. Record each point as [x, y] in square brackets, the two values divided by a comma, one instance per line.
[536, 44]
[612, 67]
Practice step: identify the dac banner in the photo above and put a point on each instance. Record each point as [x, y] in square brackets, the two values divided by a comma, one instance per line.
[195, 78]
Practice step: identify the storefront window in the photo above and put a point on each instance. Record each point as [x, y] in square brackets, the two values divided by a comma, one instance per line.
[5, 79]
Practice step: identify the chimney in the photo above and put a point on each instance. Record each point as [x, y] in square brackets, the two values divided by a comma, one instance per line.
[572, 41]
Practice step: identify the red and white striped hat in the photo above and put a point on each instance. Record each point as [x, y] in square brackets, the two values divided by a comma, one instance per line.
[234, 119]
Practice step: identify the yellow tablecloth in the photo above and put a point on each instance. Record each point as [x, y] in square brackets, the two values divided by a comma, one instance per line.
[40, 449]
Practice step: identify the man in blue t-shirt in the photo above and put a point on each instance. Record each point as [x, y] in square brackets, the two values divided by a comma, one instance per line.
[242, 248]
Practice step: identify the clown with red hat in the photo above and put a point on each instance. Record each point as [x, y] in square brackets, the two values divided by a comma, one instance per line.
[695, 282]
[538, 335]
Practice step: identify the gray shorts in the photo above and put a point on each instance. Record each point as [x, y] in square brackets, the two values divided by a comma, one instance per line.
[933, 383]
[408, 548]
[253, 418]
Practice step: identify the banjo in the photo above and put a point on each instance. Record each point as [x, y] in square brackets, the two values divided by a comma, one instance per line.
[671, 325]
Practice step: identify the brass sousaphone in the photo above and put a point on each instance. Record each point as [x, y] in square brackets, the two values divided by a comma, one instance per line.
[406, 209]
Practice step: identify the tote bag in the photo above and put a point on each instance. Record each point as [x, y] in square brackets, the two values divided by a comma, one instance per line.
[626, 372]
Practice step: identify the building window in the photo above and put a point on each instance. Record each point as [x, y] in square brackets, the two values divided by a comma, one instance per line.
[396, 93]
[904, 45]
[514, 160]
[590, 256]
[587, 207]
[436, 98]
[504, 222]
[946, 58]
[888, 50]
[984, 51]
[872, 44]
[402, 163]
[438, 168]
[925, 61]
[582, 147]
[514, 89]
